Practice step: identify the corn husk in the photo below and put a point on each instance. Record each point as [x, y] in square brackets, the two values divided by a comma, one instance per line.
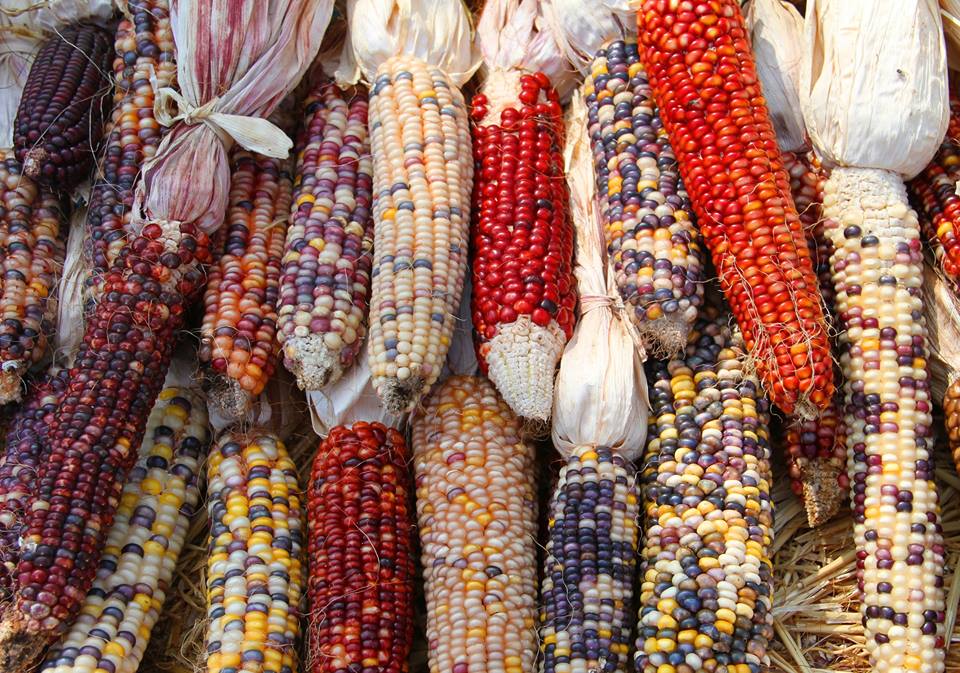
[950, 15]
[70, 316]
[236, 61]
[873, 83]
[600, 397]
[582, 28]
[942, 310]
[776, 35]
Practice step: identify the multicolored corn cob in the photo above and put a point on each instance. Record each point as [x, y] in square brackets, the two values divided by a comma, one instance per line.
[477, 510]
[652, 240]
[238, 335]
[64, 102]
[878, 275]
[704, 81]
[951, 415]
[423, 177]
[144, 49]
[32, 251]
[254, 570]
[586, 617]
[806, 185]
[706, 572]
[135, 571]
[361, 552]
[325, 286]
[523, 291]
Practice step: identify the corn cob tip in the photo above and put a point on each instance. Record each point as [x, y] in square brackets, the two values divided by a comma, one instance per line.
[20, 647]
[228, 397]
[822, 493]
[313, 363]
[10, 378]
[400, 396]
[521, 362]
[665, 337]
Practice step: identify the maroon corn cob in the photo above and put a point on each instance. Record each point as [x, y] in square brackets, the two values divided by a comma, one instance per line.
[64, 101]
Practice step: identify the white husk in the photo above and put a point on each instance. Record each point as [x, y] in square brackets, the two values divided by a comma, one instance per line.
[462, 356]
[942, 310]
[437, 32]
[873, 84]
[600, 397]
[582, 28]
[776, 35]
[70, 322]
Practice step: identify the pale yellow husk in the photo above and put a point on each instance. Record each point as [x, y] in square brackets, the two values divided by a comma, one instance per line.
[942, 310]
[70, 317]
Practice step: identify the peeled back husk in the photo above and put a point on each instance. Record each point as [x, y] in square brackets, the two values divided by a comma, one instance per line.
[942, 310]
[582, 28]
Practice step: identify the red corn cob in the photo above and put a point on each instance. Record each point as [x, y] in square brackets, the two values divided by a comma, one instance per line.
[705, 83]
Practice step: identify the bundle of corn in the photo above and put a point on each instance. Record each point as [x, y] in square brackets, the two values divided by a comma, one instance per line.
[477, 514]
[522, 243]
[705, 83]
[415, 56]
[130, 335]
[861, 112]
[238, 335]
[360, 549]
[328, 252]
[141, 550]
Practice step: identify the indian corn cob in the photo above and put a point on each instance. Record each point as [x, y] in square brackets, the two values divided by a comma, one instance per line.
[361, 552]
[325, 286]
[238, 335]
[477, 510]
[586, 615]
[136, 569]
[878, 274]
[651, 237]
[32, 251]
[951, 414]
[254, 568]
[704, 81]
[422, 182]
[523, 291]
[64, 101]
[806, 185]
[706, 572]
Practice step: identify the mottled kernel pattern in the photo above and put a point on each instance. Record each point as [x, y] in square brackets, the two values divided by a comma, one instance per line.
[477, 514]
[651, 237]
[423, 177]
[586, 593]
[136, 569]
[361, 552]
[706, 574]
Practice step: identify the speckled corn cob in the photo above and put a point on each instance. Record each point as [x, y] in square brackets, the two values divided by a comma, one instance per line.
[878, 273]
[143, 49]
[31, 254]
[586, 616]
[706, 572]
[477, 510]
[254, 572]
[807, 179]
[423, 177]
[63, 104]
[652, 240]
[325, 287]
[238, 335]
[136, 568]
[361, 552]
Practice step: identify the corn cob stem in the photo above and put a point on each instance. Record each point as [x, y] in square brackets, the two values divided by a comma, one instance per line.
[706, 572]
[361, 552]
[878, 272]
[477, 510]
[420, 142]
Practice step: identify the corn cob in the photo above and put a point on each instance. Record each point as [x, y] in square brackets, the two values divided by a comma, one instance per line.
[361, 552]
[587, 586]
[135, 571]
[238, 335]
[328, 253]
[806, 185]
[651, 238]
[706, 572]
[878, 273]
[143, 49]
[477, 510]
[420, 143]
[951, 414]
[523, 295]
[254, 572]
[64, 101]
[705, 84]
[32, 251]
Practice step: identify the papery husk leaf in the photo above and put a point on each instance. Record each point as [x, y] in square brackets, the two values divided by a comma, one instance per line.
[600, 395]
[70, 325]
[942, 310]
[583, 28]
[873, 83]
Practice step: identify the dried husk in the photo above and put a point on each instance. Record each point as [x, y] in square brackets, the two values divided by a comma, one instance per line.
[70, 316]
[236, 61]
[942, 310]
[582, 28]
[950, 15]
[776, 35]
[600, 397]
